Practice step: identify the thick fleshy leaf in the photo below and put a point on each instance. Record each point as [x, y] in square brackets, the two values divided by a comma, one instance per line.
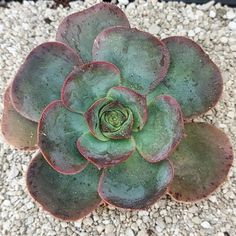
[39, 80]
[58, 132]
[68, 197]
[163, 130]
[134, 101]
[135, 183]
[142, 58]
[16, 129]
[93, 119]
[79, 30]
[116, 121]
[104, 154]
[193, 79]
[89, 83]
[201, 162]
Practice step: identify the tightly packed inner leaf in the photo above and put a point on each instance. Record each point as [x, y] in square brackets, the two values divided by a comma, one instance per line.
[121, 113]
[116, 121]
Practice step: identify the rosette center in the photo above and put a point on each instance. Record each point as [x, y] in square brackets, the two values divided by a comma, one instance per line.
[116, 121]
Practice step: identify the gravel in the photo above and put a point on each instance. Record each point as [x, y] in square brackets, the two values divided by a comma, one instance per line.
[22, 27]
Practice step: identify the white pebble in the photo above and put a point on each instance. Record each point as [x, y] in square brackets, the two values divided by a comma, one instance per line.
[233, 47]
[232, 25]
[143, 232]
[100, 228]
[230, 15]
[224, 40]
[129, 232]
[212, 14]
[109, 229]
[123, 2]
[154, 29]
[205, 225]
[196, 220]
[191, 33]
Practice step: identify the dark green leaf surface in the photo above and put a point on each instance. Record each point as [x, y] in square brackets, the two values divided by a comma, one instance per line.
[163, 130]
[58, 132]
[104, 154]
[143, 59]
[192, 79]
[134, 101]
[39, 80]
[135, 183]
[201, 162]
[89, 83]
[79, 30]
[16, 129]
[68, 197]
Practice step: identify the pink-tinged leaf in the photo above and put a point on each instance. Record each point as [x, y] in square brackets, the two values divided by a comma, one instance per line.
[93, 119]
[201, 162]
[135, 183]
[192, 79]
[79, 29]
[105, 153]
[143, 59]
[88, 83]
[67, 197]
[134, 101]
[58, 132]
[163, 130]
[16, 129]
[39, 80]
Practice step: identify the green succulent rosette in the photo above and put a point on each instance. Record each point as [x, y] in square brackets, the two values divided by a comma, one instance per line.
[109, 107]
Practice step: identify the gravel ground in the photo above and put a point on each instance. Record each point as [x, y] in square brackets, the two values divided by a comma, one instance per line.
[24, 26]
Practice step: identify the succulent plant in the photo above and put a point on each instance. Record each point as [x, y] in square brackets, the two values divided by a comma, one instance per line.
[111, 109]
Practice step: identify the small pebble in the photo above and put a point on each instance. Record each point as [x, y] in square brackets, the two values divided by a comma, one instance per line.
[232, 25]
[129, 232]
[123, 2]
[230, 15]
[205, 225]
[212, 14]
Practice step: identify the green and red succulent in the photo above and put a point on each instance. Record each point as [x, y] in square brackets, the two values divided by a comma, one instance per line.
[110, 107]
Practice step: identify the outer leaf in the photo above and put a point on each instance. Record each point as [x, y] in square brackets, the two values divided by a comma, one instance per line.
[104, 154]
[89, 83]
[135, 183]
[93, 119]
[80, 29]
[201, 162]
[142, 58]
[68, 197]
[134, 101]
[163, 130]
[58, 132]
[193, 79]
[39, 80]
[16, 129]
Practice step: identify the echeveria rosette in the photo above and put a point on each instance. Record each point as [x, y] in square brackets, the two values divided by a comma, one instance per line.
[109, 117]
